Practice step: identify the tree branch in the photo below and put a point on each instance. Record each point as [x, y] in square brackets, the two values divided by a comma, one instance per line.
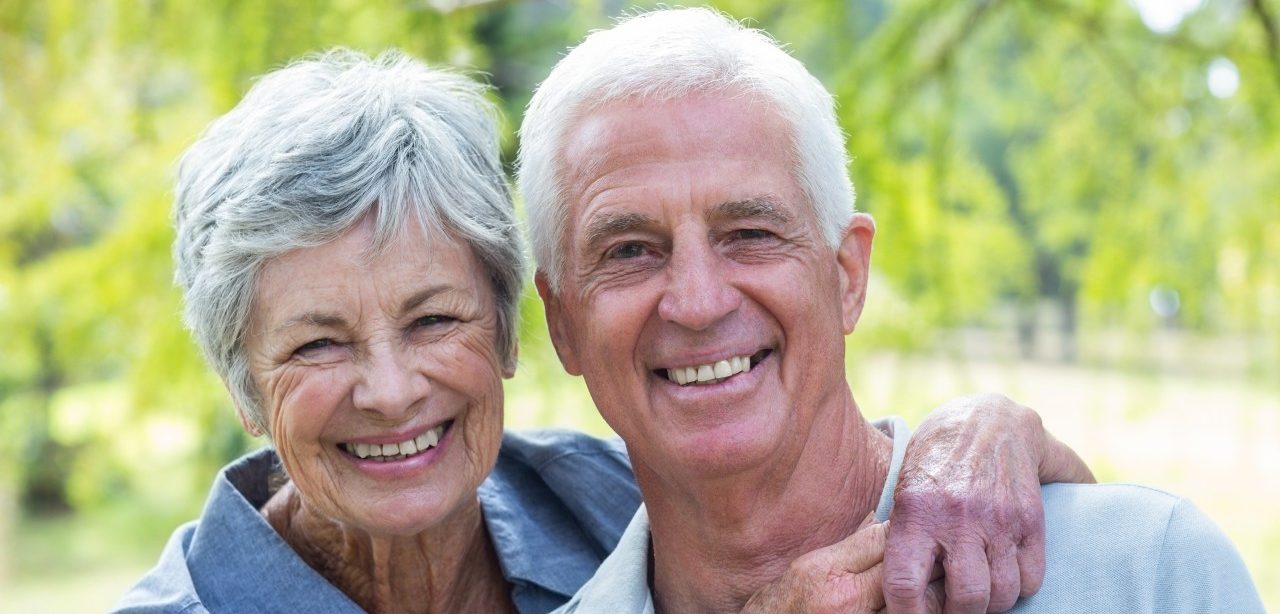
[1095, 35]
[1260, 10]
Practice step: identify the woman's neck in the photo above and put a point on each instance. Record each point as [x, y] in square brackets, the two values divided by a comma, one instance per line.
[451, 567]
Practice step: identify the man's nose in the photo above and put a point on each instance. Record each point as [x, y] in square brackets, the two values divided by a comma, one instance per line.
[698, 292]
[391, 382]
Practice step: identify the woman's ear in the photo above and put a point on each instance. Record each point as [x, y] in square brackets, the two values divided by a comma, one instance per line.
[249, 425]
[509, 371]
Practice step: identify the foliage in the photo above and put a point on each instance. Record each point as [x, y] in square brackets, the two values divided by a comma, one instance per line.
[1012, 151]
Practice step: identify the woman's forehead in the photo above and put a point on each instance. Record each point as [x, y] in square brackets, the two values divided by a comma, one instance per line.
[352, 268]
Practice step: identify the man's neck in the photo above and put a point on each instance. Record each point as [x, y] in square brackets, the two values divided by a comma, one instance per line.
[717, 541]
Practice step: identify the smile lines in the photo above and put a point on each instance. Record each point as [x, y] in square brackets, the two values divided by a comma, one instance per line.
[396, 451]
[715, 372]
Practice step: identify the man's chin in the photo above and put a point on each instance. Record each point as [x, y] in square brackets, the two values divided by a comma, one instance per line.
[719, 452]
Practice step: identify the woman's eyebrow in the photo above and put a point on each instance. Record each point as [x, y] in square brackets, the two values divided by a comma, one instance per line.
[318, 319]
[422, 296]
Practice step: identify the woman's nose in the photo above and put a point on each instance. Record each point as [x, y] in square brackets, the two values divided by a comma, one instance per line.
[392, 383]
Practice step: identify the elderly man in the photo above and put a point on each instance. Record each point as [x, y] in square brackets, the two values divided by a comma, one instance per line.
[701, 263]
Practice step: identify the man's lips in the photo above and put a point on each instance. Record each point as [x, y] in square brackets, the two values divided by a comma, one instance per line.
[713, 372]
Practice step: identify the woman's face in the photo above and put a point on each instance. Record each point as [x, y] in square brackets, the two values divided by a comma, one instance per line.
[380, 376]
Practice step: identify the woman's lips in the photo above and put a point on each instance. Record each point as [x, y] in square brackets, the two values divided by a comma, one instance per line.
[397, 451]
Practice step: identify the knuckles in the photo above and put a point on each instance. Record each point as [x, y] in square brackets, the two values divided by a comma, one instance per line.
[902, 587]
[943, 511]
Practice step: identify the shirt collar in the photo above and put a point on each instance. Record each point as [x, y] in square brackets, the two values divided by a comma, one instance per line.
[233, 537]
[621, 585]
[538, 541]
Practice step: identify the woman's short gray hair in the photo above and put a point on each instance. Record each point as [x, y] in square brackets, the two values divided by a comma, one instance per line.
[665, 55]
[310, 151]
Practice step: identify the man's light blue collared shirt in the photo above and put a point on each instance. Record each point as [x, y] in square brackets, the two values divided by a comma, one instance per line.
[1110, 548]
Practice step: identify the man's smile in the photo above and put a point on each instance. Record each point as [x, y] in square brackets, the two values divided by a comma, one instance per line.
[713, 372]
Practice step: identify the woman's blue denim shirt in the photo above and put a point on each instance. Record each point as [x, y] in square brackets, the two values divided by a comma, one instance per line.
[555, 505]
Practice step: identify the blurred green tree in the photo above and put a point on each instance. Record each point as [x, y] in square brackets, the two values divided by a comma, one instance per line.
[1014, 152]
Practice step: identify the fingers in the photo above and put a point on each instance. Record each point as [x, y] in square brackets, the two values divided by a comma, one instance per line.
[870, 582]
[908, 568]
[1059, 463]
[843, 577]
[1031, 562]
[935, 598]
[861, 551]
[1005, 576]
[968, 581]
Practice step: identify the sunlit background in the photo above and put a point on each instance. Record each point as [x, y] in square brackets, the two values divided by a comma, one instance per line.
[1078, 205]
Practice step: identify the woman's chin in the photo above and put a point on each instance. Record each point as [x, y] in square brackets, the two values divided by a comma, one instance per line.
[402, 510]
[399, 517]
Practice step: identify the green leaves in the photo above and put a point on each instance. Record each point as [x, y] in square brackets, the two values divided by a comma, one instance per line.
[1012, 152]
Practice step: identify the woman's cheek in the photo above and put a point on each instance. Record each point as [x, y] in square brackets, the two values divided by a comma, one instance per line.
[303, 401]
[473, 369]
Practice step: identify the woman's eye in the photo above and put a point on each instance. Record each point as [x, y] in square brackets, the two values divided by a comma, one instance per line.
[627, 251]
[312, 346]
[433, 320]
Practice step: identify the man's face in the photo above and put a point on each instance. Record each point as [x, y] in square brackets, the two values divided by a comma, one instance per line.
[692, 254]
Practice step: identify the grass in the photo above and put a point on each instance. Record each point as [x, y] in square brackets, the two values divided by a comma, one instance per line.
[79, 563]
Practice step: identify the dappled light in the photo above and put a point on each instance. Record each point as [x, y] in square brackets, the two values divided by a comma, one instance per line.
[1077, 205]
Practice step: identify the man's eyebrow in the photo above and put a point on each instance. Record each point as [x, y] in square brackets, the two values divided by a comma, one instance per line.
[766, 207]
[606, 225]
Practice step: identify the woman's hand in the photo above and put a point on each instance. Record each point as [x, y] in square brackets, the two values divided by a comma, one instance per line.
[843, 577]
[968, 495]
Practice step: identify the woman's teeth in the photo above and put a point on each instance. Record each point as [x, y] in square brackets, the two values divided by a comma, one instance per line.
[710, 373]
[396, 451]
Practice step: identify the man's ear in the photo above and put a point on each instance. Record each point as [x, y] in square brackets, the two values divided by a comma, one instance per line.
[557, 325]
[854, 260]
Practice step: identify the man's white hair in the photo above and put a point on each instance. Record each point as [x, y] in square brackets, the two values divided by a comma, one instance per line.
[661, 56]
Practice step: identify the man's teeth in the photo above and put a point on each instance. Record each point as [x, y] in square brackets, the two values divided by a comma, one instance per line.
[710, 373]
[396, 451]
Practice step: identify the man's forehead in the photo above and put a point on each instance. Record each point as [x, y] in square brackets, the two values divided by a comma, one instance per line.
[626, 162]
[635, 128]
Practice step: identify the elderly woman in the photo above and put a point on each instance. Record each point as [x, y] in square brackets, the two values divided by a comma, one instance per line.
[351, 267]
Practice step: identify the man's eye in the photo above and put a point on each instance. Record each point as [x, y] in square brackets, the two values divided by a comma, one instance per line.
[312, 346]
[751, 234]
[626, 251]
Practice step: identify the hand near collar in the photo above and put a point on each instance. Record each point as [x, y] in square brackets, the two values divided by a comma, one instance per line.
[843, 577]
[968, 496]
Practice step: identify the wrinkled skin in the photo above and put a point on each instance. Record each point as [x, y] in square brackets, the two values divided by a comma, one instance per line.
[969, 497]
[692, 244]
[969, 489]
[843, 577]
[352, 346]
